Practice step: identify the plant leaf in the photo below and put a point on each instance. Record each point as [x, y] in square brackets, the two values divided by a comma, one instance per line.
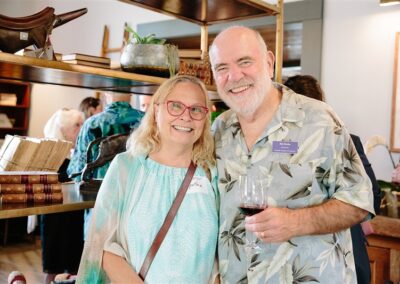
[280, 258]
[285, 169]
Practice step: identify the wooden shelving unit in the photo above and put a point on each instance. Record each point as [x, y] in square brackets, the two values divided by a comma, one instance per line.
[208, 12]
[384, 250]
[19, 113]
[204, 13]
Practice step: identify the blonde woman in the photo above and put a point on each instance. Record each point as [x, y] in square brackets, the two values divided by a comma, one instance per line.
[141, 185]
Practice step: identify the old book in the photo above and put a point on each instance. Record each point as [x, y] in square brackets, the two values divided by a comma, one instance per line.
[9, 188]
[28, 177]
[87, 63]
[5, 121]
[189, 53]
[59, 152]
[16, 153]
[8, 99]
[42, 154]
[32, 198]
[33, 154]
[86, 57]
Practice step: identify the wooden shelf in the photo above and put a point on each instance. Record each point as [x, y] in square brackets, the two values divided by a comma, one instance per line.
[206, 12]
[17, 106]
[35, 70]
[26, 69]
[13, 129]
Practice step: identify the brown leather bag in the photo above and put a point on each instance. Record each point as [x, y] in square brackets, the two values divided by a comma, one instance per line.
[21, 32]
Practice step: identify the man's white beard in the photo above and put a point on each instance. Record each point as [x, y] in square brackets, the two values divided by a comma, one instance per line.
[245, 105]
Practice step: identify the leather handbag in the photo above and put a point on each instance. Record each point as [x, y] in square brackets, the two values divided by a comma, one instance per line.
[167, 222]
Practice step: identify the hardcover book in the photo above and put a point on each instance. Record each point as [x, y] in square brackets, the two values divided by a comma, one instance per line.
[32, 198]
[27, 177]
[87, 63]
[9, 188]
[189, 53]
[86, 57]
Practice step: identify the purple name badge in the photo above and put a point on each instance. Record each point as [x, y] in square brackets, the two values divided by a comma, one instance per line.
[285, 147]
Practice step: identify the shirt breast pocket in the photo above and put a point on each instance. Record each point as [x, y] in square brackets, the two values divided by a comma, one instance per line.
[294, 185]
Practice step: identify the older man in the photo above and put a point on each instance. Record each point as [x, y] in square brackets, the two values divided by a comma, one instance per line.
[317, 187]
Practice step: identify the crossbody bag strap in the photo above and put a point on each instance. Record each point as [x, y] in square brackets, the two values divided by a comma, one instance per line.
[167, 222]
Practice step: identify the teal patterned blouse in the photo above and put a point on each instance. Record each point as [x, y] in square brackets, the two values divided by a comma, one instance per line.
[117, 118]
[325, 166]
[131, 206]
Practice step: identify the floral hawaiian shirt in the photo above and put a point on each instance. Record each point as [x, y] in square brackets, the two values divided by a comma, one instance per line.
[320, 163]
[117, 118]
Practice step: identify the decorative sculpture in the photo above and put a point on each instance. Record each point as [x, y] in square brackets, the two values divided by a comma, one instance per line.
[21, 32]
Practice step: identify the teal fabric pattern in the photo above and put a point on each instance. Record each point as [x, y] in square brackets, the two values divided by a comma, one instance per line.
[325, 166]
[132, 203]
[117, 118]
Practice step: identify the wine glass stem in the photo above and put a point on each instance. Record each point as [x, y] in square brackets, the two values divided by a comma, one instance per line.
[251, 242]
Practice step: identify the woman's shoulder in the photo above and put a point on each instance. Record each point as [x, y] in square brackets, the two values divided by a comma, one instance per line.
[127, 159]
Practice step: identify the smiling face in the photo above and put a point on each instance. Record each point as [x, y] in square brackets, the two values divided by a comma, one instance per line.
[242, 69]
[180, 130]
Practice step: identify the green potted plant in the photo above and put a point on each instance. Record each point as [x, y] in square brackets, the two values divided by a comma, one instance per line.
[149, 55]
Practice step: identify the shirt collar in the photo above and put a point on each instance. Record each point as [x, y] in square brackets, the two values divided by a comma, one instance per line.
[289, 111]
[290, 108]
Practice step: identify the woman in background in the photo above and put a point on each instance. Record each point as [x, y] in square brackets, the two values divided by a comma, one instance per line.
[62, 233]
[142, 183]
[90, 106]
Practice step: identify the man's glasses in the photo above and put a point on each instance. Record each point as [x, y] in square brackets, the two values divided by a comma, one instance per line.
[175, 108]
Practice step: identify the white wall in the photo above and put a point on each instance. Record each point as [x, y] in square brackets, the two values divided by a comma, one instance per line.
[357, 58]
[357, 68]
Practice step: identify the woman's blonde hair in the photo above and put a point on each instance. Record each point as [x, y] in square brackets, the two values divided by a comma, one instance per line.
[146, 139]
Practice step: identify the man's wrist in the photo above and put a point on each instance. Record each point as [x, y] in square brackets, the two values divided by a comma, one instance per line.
[301, 222]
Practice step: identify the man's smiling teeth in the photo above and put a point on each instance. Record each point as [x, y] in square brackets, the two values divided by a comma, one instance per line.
[181, 128]
[239, 89]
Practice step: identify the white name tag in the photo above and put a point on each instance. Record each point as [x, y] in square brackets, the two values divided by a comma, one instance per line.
[198, 185]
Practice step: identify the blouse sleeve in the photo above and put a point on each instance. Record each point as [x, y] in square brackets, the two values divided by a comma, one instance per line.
[103, 227]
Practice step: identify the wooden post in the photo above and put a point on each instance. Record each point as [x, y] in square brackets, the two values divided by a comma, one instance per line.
[279, 43]
[204, 41]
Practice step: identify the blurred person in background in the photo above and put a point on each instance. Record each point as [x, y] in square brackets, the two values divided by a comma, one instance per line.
[90, 106]
[144, 102]
[62, 233]
[118, 117]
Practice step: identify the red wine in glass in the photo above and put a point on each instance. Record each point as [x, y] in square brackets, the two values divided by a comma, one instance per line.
[252, 201]
[250, 210]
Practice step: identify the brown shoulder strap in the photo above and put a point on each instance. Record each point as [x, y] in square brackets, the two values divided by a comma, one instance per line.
[167, 222]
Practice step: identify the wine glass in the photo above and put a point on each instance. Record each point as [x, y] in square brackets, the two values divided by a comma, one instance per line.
[252, 201]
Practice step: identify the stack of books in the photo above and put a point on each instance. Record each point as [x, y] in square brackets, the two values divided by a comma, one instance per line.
[87, 60]
[20, 153]
[30, 187]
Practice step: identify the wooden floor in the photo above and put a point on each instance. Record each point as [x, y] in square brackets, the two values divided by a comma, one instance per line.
[24, 256]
